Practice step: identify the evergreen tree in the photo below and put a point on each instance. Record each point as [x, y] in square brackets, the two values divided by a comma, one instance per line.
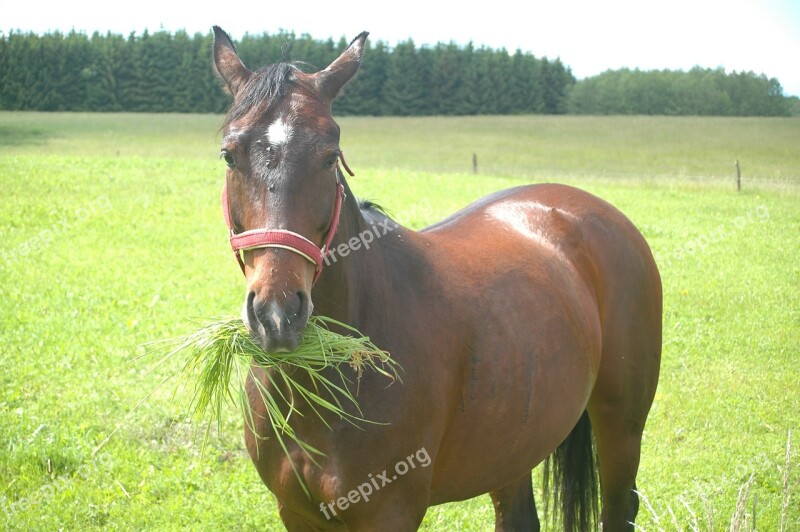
[525, 87]
[77, 72]
[17, 53]
[4, 71]
[44, 69]
[555, 81]
[404, 92]
[447, 83]
[500, 78]
[99, 75]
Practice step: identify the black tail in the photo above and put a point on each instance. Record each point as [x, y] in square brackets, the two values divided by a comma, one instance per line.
[570, 478]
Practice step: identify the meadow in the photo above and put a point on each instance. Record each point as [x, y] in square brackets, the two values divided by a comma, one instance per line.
[111, 237]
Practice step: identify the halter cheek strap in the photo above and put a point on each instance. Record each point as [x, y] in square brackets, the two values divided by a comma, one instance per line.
[282, 238]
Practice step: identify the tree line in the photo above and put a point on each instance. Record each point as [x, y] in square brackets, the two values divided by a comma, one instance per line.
[700, 91]
[162, 72]
[165, 72]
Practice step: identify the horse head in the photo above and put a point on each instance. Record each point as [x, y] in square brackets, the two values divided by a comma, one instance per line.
[283, 186]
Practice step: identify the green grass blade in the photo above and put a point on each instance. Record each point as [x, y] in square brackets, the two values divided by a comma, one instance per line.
[215, 357]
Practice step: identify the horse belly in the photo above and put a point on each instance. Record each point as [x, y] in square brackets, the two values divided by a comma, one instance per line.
[527, 377]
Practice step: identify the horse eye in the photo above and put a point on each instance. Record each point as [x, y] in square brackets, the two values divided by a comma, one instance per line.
[331, 161]
[229, 160]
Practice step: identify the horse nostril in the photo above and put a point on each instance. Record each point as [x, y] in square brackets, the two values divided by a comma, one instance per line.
[248, 309]
[254, 316]
[296, 307]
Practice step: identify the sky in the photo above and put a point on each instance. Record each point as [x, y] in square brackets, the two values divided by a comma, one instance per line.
[588, 36]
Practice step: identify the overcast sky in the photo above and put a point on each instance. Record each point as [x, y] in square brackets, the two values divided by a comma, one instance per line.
[588, 36]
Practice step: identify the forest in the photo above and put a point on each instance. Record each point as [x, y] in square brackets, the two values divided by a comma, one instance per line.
[166, 72]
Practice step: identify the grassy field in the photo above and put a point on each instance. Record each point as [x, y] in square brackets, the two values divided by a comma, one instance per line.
[111, 237]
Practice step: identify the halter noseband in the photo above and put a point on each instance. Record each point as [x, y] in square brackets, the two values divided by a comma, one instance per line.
[285, 239]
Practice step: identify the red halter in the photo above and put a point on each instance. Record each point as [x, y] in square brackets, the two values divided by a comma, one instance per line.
[282, 238]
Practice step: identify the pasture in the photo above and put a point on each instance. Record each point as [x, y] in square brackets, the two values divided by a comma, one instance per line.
[111, 237]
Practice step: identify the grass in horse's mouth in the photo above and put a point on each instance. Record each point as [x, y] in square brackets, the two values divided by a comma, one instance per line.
[220, 355]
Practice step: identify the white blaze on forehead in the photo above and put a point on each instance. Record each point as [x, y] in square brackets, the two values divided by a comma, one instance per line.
[278, 132]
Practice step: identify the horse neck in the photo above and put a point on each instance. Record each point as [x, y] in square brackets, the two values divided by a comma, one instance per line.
[354, 278]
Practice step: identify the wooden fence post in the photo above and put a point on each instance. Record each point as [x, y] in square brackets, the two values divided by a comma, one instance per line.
[738, 177]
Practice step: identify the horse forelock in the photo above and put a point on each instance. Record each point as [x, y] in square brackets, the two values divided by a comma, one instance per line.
[267, 87]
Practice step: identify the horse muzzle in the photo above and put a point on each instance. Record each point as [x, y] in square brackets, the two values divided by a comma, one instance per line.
[277, 324]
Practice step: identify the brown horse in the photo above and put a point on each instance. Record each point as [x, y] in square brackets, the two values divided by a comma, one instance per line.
[527, 325]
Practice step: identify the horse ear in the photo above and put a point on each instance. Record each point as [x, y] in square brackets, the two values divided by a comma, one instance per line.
[344, 67]
[227, 63]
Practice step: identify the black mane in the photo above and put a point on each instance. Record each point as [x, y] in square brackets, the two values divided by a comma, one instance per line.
[373, 212]
[371, 206]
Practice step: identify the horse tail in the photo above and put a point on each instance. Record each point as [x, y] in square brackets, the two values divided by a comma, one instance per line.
[570, 480]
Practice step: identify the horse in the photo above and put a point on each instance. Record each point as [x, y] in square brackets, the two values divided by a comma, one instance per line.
[527, 325]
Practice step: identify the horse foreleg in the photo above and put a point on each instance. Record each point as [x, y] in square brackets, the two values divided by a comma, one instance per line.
[514, 508]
